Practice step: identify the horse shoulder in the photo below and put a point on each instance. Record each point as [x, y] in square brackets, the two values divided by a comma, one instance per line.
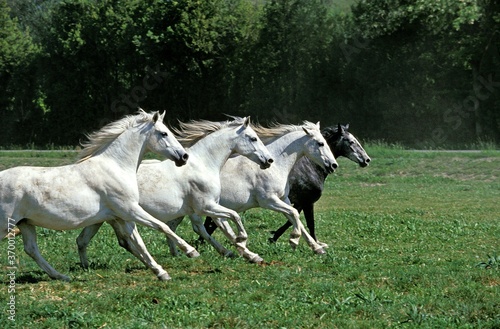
[306, 182]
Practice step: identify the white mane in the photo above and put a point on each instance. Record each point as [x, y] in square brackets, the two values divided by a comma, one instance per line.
[98, 140]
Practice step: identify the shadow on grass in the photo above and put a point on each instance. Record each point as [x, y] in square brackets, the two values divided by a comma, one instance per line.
[32, 277]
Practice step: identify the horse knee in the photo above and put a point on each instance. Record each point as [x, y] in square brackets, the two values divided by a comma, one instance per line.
[81, 243]
[124, 244]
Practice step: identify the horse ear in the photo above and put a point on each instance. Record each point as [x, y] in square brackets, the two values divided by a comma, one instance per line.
[155, 116]
[346, 127]
[162, 116]
[247, 121]
[340, 129]
[317, 124]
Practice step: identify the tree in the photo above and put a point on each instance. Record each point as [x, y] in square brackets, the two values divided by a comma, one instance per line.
[279, 69]
[418, 67]
[17, 113]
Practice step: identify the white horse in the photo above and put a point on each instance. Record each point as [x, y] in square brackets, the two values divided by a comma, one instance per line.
[245, 187]
[167, 192]
[101, 186]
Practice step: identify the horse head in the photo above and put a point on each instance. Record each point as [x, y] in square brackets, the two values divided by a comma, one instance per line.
[343, 143]
[317, 148]
[162, 141]
[250, 145]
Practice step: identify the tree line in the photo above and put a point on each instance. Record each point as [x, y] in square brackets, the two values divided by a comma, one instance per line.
[424, 73]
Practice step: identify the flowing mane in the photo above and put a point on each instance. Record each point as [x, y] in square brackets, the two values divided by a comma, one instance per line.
[191, 132]
[98, 140]
[277, 130]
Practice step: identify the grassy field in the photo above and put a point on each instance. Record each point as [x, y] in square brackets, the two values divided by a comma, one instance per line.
[414, 242]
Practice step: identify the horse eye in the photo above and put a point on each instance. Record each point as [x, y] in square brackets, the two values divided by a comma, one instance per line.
[164, 134]
[253, 139]
[320, 144]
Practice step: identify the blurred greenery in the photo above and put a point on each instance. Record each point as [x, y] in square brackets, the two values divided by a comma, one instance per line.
[421, 73]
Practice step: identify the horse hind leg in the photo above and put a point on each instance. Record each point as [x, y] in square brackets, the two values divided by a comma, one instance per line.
[129, 238]
[210, 227]
[280, 231]
[171, 243]
[309, 215]
[28, 232]
[83, 240]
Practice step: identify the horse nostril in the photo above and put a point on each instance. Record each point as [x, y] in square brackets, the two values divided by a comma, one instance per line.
[368, 160]
[270, 161]
[334, 165]
[185, 156]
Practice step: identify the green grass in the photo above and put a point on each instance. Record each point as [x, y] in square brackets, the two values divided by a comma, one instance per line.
[414, 242]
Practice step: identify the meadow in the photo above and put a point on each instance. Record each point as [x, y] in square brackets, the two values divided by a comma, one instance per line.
[414, 241]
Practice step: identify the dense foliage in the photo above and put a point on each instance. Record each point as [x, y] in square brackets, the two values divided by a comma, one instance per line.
[424, 73]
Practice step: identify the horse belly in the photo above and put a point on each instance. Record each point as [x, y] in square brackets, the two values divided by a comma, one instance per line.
[165, 206]
[63, 205]
[238, 200]
[66, 214]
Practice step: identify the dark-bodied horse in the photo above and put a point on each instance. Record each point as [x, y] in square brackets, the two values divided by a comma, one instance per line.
[307, 179]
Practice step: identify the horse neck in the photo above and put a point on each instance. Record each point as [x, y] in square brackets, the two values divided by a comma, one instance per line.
[214, 148]
[287, 150]
[320, 171]
[127, 150]
[335, 147]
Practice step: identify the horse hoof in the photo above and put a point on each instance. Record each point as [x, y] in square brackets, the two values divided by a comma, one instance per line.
[256, 259]
[164, 277]
[193, 254]
[62, 278]
[229, 254]
[322, 244]
[320, 251]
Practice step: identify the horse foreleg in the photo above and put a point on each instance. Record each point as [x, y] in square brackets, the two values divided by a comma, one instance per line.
[279, 232]
[140, 216]
[197, 223]
[224, 226]
[309, 215]
[83, 240]
[219, 213]
[292, 215]
[129, 238]
[28, 232]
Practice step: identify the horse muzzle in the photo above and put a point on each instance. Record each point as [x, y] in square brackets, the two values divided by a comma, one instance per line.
[364, 162]
[330, 167]
[266, 164]
[182, 159]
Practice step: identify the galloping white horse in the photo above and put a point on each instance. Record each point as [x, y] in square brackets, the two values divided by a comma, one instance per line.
[244, 187]
[167, 192]
[101, 186]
